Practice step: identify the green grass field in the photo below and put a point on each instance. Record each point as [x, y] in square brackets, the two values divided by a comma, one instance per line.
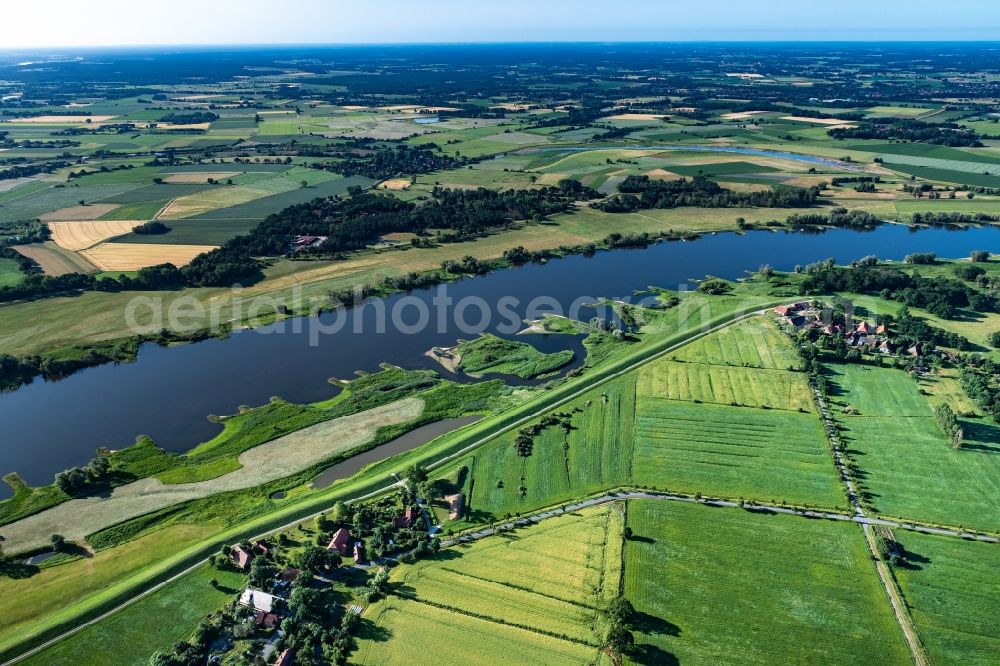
[629, 432]
[734, 452]
[489, 354]
[153, 624]
[953, 590]
[907, 465]
[727, 385]
[719, 169]
[951, 175]
[529, 594]
[754, 343]
[55, 588]
[724, 586]
[10, 273]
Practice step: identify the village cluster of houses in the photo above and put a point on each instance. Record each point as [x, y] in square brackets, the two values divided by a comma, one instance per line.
[862, 335]
[267, 605]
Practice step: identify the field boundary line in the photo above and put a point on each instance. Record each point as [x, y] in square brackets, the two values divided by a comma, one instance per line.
[899, 609]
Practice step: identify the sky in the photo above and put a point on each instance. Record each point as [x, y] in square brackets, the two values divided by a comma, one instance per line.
[66, 23]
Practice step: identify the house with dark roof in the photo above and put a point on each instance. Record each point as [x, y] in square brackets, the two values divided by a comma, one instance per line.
[359, 552]
[240, 557]
[407, 518]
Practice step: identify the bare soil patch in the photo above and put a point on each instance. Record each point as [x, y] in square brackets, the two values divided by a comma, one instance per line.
[395, 184]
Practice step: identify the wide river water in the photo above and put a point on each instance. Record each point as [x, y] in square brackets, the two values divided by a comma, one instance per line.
[167, 393]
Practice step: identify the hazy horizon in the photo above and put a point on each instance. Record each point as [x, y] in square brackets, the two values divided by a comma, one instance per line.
[60, 24]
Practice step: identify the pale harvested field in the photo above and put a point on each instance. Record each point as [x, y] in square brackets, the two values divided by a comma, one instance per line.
[806, 181]
[268, 462]
[637, 116]
[354, 107]
[395, 184]
[72, 213]
[192, 126]
[61, 119]
[745, 187]
[133, 256]
[195, 177]
[550, 178]
[209, 200]
[54, 260]
[511, 107]
[80, 235]
[661, 173]
[741, 115]
[818, 121]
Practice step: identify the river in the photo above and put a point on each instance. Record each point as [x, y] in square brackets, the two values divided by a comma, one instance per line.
[168, 392]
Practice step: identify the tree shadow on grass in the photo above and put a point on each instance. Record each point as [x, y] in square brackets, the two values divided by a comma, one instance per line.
[658, 626]
[18, 570]
[370, 631]
[913, 557]
[977, 435]
[641, 539]
[644, 653]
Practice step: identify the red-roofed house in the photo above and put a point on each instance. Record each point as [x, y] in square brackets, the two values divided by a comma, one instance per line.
[881, 330]
[262, 546]
[407, 518]
[341, 542]
[240, 557]
[783, 310]
[269, 620]
[286, 658]
[864, 328]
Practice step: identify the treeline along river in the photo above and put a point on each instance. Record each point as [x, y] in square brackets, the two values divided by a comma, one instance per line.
[167, 393]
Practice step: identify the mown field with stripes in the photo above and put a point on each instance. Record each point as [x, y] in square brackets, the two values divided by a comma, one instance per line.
[730, 415]
[529, 596]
